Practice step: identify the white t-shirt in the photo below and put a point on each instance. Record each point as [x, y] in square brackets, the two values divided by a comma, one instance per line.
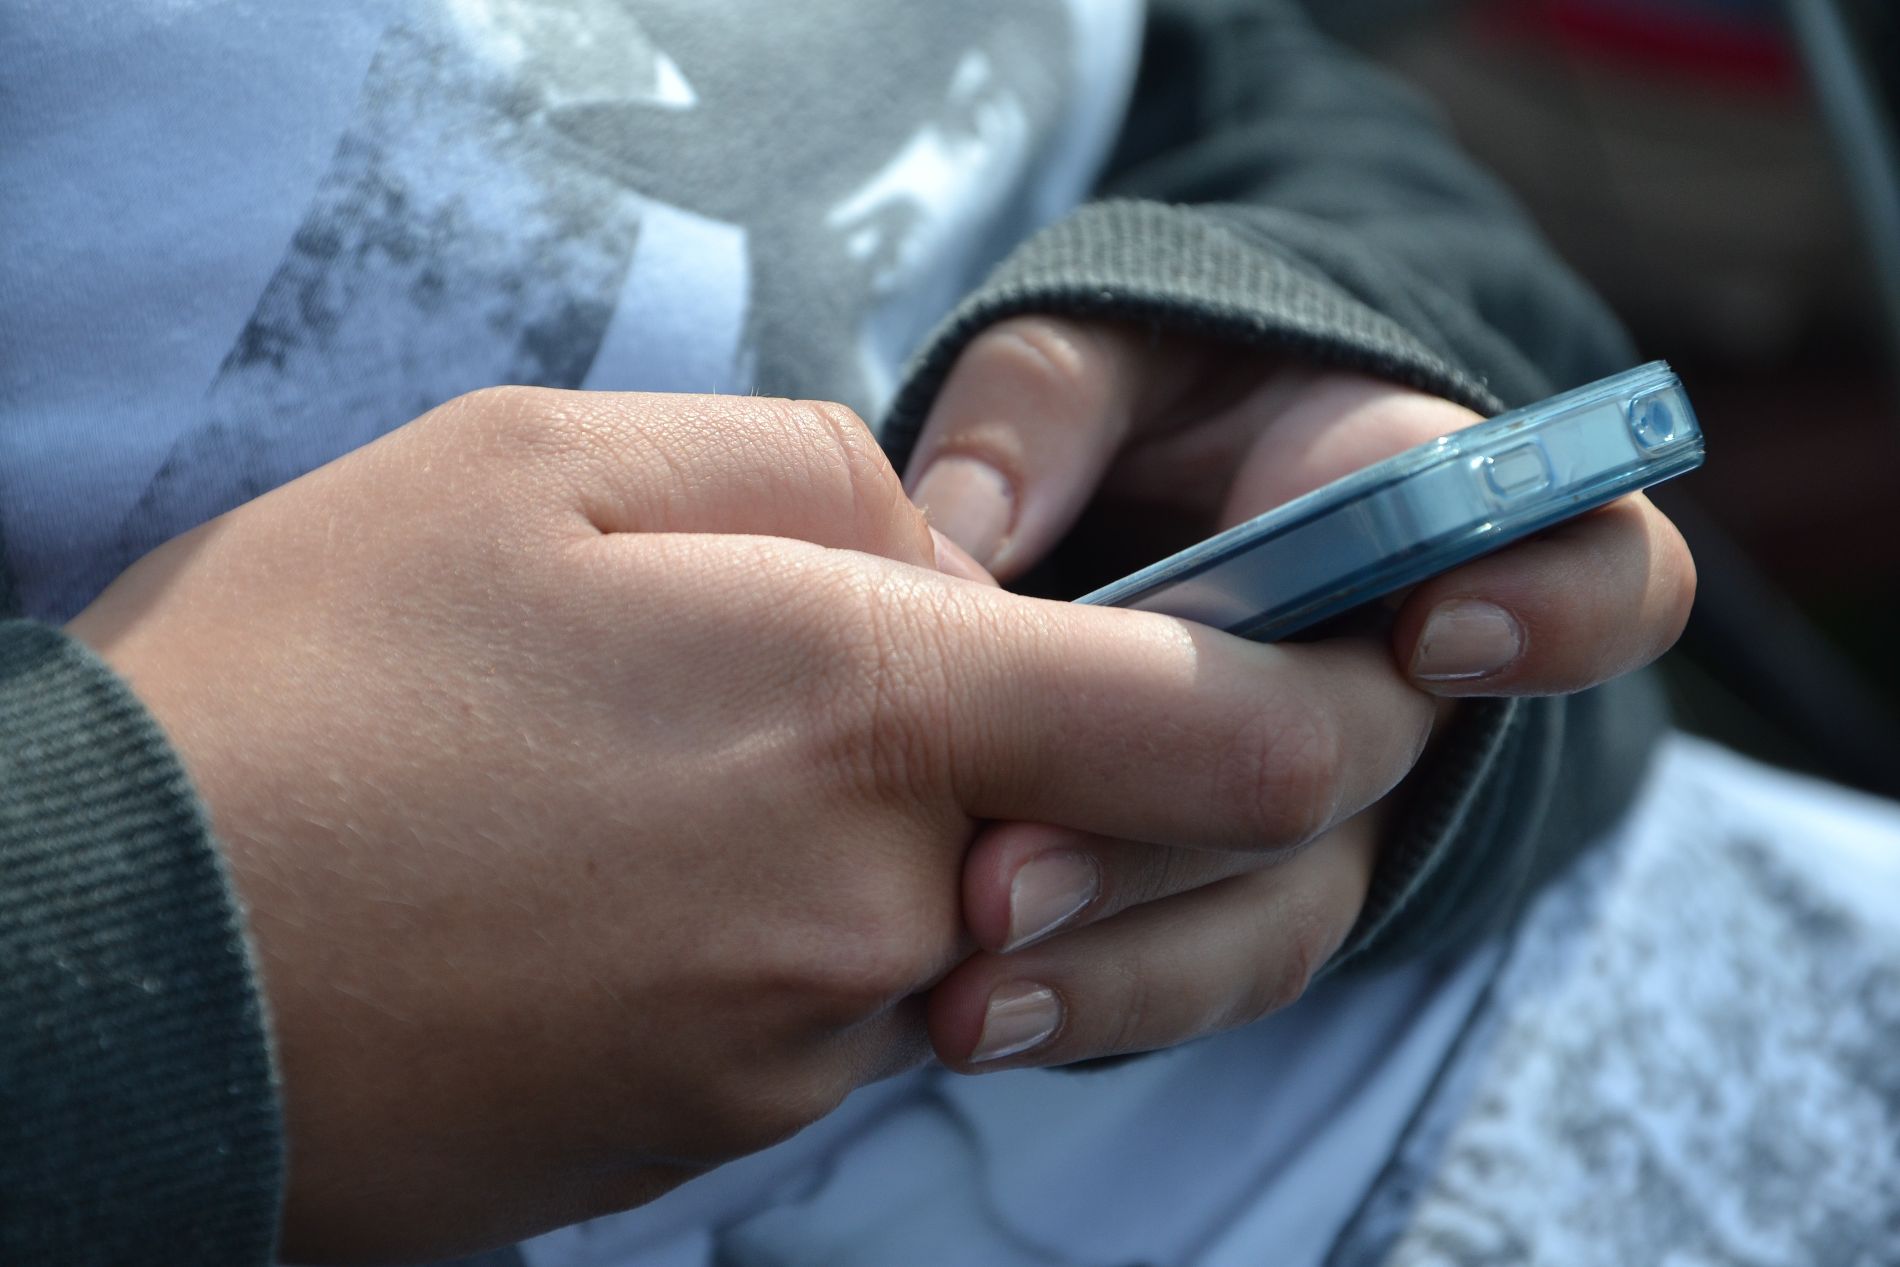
[246, 237]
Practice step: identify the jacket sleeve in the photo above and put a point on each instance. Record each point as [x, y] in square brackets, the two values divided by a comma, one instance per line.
[1273, 191]
[138, 1111]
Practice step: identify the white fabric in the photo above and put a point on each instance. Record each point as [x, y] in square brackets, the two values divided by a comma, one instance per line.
[1277, 1128]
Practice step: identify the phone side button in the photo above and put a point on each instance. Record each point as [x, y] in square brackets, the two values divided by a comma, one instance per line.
[1520, 469]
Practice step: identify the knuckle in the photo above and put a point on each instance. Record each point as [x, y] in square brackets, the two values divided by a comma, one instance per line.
[1310, 940]
[826, 420]
[839, 437]
[542, 432]
[876, 948]
[533, 433]
[904, 935]
[837, 441]
[1288, 768]
[873, 971]
[533, 415]
[1156, 872]
[1134, 1021]
[1044, 351]
[1306, 940]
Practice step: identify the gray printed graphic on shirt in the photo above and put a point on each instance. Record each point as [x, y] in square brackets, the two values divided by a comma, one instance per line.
[821, 182]
[931, 185]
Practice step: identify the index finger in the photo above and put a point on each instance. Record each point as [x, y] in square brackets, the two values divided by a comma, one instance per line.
[1147, 728]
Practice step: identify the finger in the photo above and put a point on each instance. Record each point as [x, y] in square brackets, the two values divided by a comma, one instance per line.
[1159, 974]
[1585, 602]
[1028, 419]
[1147, 728]
[1024, 882]
[654, 462]
[1341, 424]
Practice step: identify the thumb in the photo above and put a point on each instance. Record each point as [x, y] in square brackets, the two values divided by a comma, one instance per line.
[1030, 417]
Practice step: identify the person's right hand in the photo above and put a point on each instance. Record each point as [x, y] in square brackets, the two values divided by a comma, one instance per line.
[597, 772]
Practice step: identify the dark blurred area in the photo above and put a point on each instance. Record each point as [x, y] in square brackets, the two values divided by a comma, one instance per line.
[1724, 172]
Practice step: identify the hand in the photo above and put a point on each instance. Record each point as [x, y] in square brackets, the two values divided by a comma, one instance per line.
[597, 773]
[1167, 440]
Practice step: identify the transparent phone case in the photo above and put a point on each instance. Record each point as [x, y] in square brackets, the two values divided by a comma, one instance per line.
[1426, 510]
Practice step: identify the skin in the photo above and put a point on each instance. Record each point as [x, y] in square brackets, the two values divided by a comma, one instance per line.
[1048, 419]
[598, 774]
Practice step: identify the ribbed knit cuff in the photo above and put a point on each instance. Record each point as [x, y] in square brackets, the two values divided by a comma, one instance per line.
[139, 1119]
[1185, 270]
[1453, 864]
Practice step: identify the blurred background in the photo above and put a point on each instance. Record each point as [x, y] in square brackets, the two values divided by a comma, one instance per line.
[1724, 172]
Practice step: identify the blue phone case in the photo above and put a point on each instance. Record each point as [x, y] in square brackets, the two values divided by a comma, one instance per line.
[1427, 510]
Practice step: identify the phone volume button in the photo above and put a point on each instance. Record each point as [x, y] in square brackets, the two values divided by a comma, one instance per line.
[1521, 469]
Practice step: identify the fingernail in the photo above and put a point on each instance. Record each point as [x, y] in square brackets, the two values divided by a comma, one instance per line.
[1047, 893]
[969, 502]
[1020, 1016]
[1465, 640]
[952, 560]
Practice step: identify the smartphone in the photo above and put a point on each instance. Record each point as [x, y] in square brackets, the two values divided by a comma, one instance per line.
[1427, 510]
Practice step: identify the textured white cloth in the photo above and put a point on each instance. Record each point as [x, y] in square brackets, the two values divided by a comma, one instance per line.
[1695, 1055]
[1280, 1127]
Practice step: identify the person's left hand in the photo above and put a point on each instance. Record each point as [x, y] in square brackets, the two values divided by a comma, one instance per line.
[1170, 440]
